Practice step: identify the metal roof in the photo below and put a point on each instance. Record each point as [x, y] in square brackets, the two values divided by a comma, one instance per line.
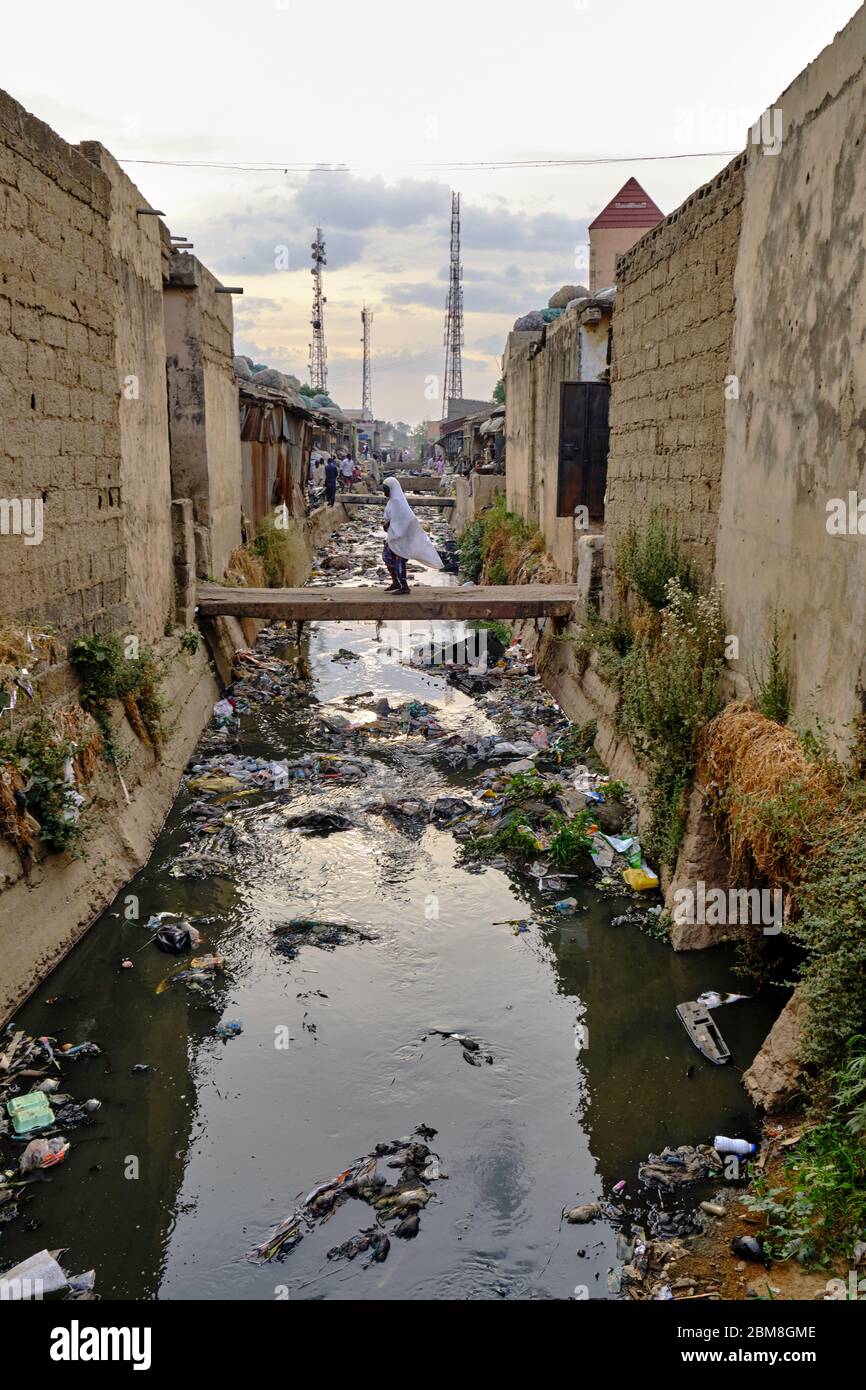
[632, 206]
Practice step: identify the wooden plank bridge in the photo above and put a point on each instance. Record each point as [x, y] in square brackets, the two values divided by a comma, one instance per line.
[378, 499]
[323, 603]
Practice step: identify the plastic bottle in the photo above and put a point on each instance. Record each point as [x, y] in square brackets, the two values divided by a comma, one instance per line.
[723, 1145]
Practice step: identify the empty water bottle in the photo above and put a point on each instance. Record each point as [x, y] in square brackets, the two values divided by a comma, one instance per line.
[723, 1145]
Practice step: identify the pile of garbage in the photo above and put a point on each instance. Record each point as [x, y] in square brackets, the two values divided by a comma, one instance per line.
[43, 1274]
[682, 1166]
[305, 931]
[400, 1201]
[35, 1110]
[229, 774]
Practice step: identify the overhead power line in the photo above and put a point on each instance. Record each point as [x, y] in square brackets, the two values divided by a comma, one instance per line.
[271, 166]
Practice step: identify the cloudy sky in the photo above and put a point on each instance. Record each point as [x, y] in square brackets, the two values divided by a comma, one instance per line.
[368, 108]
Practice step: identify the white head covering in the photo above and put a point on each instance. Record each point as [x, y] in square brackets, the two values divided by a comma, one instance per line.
[405, 536]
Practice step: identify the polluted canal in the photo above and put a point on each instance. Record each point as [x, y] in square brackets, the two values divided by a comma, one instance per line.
[393, 1050]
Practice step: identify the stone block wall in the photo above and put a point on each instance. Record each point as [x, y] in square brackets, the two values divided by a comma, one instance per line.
[672, 333]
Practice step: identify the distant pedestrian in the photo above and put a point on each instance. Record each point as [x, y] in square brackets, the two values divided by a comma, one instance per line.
[347, 469]
[331, 475]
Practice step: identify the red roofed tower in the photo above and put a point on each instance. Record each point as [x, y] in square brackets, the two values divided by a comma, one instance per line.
[629, 214]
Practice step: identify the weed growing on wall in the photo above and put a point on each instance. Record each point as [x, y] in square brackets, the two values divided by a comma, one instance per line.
[772, 682]
[35, 762]
[107, 673]
[647, 561]
[670, 690]
[574, 745]
[611, 639]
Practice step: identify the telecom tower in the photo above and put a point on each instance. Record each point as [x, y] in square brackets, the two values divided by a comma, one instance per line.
[318, 351]
[454, 316]
[367, 388]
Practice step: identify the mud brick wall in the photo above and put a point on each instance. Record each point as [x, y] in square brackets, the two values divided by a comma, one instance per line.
[59, 427]
[672, 335]
[140, 252]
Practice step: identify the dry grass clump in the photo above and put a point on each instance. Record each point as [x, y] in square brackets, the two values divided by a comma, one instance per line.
[15, 651]
[246, 569]
[74, 725]
[781, 802]
[16, 823]
[284, 554]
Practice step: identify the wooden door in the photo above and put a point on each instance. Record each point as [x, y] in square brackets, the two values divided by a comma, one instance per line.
[583, 443]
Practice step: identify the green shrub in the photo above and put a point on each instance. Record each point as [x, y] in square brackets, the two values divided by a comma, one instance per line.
[471, 558]
[501, 548]
[615, 791]
[829, 926]
[571, 839]
[525, 786]
[647, 561]
[815, 1206]
[515, 837]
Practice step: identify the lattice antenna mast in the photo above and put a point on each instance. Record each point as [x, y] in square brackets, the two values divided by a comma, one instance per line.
[318, 351]
[453, 390]
[367, 387]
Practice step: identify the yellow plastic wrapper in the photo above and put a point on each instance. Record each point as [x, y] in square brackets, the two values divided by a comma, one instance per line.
[640, 879]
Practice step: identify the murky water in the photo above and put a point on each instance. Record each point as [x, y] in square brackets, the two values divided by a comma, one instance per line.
[193, 1162]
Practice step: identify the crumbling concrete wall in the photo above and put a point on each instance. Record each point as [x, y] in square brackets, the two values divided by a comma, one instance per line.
[204, 409]
[796, 437]
[472, 495]
[521, 489]
[672, 331]
[59, 400]
[139, 248]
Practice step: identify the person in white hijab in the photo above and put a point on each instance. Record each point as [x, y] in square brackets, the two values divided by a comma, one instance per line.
[405, 539]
